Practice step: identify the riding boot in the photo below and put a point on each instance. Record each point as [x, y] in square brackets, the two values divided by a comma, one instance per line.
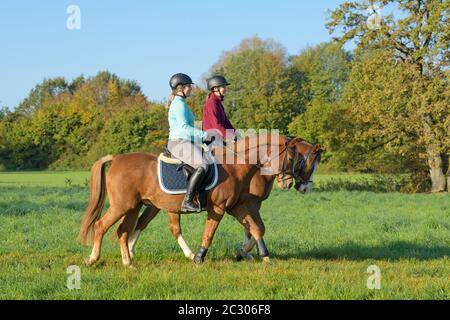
[194, 183]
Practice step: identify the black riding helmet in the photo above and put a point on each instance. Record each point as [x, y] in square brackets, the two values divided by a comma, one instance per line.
[179, 78]
[217, 81]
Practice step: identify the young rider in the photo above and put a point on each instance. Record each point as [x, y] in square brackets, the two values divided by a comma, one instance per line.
[214, 116]
[184, 139]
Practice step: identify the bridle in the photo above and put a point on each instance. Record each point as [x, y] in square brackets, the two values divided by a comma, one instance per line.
[297, 165]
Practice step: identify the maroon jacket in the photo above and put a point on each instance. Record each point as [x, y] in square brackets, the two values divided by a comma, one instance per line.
[214, 116]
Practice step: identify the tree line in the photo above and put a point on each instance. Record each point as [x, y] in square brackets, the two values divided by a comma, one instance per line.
[383, 107]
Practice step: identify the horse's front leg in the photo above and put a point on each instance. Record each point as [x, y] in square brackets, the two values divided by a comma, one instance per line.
[255, 225]
[175, 228]
[210, 229]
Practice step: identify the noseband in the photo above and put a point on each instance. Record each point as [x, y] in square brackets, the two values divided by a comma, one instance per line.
[300, 164]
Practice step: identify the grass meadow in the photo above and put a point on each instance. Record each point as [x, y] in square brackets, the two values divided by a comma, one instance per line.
[321, 243]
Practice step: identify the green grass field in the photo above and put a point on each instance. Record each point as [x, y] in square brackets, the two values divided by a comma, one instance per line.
[321, 243]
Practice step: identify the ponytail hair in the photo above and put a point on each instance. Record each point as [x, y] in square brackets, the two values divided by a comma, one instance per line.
[173, 95]
[169, 102]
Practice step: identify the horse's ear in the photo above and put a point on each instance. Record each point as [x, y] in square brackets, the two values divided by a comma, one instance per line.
[318, 148]
[294, 141]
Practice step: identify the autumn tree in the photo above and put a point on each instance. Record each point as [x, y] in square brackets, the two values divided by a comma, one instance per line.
[324, 72]
[262, 92]
[197, 101]
[60, 124]
[19, 148]
[371, 124]
[49, 88]
[417, 36]
[138, 128]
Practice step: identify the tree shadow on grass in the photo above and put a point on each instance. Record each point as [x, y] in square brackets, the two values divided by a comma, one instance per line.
[352, 251]
[377, 184]
[18, 208]
[30, 199]
[24, 207]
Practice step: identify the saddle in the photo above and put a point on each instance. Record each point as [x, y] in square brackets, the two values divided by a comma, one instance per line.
[174, 174]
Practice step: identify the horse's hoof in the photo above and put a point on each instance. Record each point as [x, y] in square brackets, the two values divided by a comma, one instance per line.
[267, 260]
[198, 260]
[249, 257]
[88, 262]
[242, 255]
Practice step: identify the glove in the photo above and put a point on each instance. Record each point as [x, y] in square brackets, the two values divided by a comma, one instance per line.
[237, 136]
[210, 137]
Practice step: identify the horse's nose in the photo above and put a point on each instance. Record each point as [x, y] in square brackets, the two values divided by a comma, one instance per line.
[300, 188]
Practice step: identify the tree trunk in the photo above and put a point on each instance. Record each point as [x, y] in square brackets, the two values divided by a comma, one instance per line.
[437, 162]
[438, 177]
[448, 180]
[447, 164]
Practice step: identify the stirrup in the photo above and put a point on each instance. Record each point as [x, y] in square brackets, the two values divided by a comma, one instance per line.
[184, 209]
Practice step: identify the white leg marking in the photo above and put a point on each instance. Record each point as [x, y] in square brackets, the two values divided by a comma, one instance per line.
[93, 256]
[267, 260]
[132, 241]
[186, 250]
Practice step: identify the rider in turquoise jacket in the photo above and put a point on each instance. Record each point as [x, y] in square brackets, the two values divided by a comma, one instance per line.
[184, 139]
[181, 122]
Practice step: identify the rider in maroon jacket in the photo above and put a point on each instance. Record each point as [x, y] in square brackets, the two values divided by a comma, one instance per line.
[214, 116]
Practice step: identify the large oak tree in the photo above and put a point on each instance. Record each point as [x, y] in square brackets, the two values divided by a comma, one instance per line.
[417, 34]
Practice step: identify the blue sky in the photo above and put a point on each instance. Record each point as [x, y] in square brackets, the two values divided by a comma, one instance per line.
[143, 40]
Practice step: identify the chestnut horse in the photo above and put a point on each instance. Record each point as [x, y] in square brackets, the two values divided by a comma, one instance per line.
[260, 189]
[132, 182]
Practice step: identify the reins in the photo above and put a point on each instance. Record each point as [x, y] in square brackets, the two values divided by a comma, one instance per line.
[283, 171]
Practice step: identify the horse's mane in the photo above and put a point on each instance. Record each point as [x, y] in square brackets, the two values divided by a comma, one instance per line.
[252, 141]
[243, 147]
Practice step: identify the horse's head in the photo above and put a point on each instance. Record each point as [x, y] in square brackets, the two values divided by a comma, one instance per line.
[300, 161]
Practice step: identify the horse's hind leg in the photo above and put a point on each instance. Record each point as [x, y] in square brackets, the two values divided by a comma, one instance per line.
[247, 235]
[101, 227]
[123, 232]
[174, 227]
[247, 247]
[146, 217]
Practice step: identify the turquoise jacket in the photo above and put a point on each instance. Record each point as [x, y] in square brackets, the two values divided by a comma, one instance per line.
[181, 122]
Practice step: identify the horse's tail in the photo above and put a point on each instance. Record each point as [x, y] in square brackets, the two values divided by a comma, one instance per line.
[96, 201]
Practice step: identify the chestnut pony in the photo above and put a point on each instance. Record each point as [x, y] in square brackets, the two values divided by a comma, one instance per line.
[132, 182]
[260, 189]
